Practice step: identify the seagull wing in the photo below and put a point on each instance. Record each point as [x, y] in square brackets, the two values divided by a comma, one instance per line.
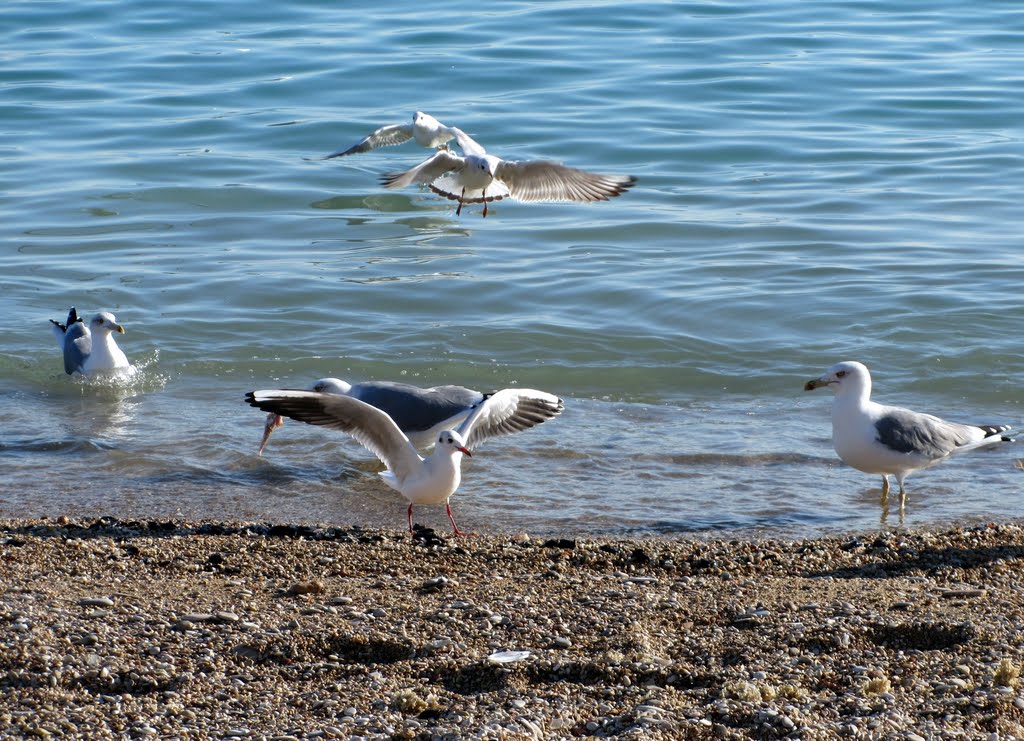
[77, 347]
[385, 136]
[541, 180]
[508, 411]
[371, 427]
[427, 171]
[415, 409]
[906, 431]
[467, 144]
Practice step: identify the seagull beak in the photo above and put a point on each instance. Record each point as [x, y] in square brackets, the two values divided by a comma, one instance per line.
[273, 422]
[815, 383]
[465, 451]
[119, 329]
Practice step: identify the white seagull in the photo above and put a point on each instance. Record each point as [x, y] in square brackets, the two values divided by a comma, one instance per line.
[90, 348]
[430, 480]
[478, 177]
[425, 129]
[419, 413]
[875, 438]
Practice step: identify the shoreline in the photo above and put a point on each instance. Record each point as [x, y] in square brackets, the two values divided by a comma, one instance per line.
[188, 629]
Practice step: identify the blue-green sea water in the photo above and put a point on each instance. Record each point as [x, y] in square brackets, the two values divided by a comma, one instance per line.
[818, 181]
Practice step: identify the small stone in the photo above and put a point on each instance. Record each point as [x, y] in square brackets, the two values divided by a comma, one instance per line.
[198, 617]
[434, 584]
[96, 602]
[307, 587]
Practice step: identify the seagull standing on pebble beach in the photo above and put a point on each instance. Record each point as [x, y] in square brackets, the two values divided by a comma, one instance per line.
[430, 480]
[886, 440]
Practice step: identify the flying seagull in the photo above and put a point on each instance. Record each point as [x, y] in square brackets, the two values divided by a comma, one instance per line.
[478, 177]
[90, 348]
[419, 413]
[430, 480]
[875, 438]
[425, 129]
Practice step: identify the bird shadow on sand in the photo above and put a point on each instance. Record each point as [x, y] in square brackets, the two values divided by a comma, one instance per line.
[893, 562]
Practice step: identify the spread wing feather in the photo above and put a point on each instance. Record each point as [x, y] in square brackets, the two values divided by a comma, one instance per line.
[385, 136]
[542, 180]
[425, 172]
[371, 427]
[507, 411]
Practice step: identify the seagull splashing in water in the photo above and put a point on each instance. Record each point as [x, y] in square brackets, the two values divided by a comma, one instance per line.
[90, 348]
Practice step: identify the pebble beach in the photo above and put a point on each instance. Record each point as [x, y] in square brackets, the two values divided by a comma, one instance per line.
[178, 629]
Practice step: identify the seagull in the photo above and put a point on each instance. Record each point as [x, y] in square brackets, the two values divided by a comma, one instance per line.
[430, 480]
[875, 438]
[88, 349]
[425, 129]
[419, 413]
[478, 177]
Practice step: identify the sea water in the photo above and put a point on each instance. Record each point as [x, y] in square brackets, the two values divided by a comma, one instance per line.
[817, 181]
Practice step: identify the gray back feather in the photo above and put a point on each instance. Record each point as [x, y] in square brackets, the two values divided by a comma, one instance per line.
[414, 409]
[907, 432]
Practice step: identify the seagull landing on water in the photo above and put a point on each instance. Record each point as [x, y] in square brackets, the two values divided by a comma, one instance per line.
[425, 129]
[420, 413]
[478, 177]
[875, 438]
[90, 348]
[430, 480]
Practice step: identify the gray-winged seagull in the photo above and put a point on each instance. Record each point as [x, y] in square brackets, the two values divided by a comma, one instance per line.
[425, 129]
[419, 413]
[90, 348]
[430, 480]
[478, 177]
[875, 438]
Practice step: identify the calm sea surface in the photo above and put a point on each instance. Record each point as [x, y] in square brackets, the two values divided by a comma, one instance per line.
[818, 181]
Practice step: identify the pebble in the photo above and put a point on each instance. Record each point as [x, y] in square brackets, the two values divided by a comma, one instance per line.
[644, 635]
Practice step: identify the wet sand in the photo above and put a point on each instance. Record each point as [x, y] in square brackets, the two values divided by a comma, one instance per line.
[213, 630]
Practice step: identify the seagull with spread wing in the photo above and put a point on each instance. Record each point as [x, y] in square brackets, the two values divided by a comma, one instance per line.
[420, 413]
[425, 129]
[430, 480]
[478, 177]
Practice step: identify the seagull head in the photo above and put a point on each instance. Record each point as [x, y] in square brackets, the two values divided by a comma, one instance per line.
[848, 377]
[331, 386]
[105, 322]
[419, 118]
[454, 441]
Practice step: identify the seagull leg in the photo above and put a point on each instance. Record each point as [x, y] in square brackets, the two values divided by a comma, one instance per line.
[483, 193]
[455, 528]
[885, 486]
[458, 211]
[410, 519]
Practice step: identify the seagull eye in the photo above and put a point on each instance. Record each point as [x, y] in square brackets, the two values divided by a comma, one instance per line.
[840, 374]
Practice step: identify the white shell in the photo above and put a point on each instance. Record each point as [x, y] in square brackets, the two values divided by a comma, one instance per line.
[507, 657]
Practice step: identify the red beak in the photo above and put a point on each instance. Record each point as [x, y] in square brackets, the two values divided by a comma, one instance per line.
[465, 451]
